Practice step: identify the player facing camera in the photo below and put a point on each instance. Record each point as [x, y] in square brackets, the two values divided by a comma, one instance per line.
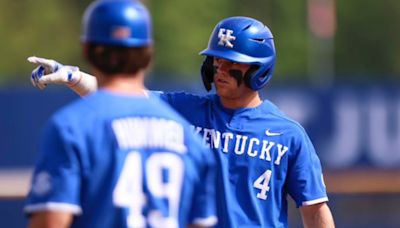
[240, 40]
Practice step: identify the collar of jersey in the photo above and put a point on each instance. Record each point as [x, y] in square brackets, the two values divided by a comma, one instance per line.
[235, 111]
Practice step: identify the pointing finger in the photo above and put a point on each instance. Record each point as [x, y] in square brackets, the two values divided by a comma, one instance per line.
[41, 61]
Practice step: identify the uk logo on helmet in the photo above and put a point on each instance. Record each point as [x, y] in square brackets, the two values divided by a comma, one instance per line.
[225, 37]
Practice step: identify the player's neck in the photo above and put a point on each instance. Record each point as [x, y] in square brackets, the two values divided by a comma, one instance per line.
[123, 84]
[250, 100]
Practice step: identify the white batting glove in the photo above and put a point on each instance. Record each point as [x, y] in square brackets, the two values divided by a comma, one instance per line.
[52, 72]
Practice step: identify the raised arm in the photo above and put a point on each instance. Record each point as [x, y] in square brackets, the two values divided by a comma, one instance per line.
[49, 71]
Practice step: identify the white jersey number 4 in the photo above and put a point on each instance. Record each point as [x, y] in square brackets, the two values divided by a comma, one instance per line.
[128, 192]
[262, 183]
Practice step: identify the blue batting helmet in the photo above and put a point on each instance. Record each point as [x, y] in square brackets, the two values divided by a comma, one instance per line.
[243, 40]
[117, 22]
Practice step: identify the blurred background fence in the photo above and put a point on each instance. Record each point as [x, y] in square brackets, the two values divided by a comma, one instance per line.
[337, 73]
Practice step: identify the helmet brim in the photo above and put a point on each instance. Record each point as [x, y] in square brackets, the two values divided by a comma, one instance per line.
[231, 55]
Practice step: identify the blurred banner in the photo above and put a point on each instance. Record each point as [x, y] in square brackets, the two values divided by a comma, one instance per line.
[355, 130]
[351, 126]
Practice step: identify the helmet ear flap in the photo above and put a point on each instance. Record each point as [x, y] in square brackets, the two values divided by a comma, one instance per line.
[249, 75]
[207, 72]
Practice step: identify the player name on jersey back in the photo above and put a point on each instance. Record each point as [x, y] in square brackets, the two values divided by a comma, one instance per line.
[149, 132]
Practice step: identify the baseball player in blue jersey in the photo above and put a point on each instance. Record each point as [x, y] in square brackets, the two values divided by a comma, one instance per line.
[121, 157]
[262, 155]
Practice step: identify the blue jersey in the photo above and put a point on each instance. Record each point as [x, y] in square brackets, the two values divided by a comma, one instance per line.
[123, 161]
[262, 156]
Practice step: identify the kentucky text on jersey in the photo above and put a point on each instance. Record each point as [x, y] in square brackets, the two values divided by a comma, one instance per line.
[243, 144]
[144, 132]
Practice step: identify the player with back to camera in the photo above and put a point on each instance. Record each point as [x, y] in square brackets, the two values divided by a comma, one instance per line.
[107, 163]
[262, 155]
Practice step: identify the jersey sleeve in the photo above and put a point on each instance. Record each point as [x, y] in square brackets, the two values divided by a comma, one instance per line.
[56, 179]
[182, 102]
[305, 179]
[203, 210]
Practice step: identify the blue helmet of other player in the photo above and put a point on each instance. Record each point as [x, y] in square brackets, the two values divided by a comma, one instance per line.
[242, 40]
[117, 22]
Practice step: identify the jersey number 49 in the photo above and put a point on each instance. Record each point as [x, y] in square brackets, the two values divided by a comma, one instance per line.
[128, 192]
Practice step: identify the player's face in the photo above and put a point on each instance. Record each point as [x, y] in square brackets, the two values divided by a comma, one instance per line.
[226, 85]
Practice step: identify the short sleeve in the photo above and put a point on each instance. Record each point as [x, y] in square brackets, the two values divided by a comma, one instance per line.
[305, 179]
[56, 179]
